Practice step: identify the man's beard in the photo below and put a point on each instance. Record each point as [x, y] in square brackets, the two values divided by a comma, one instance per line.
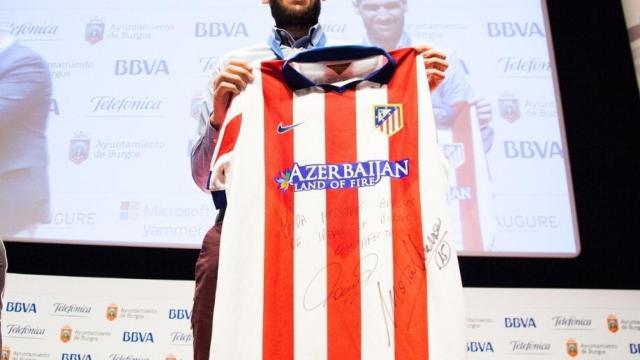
[287, 19]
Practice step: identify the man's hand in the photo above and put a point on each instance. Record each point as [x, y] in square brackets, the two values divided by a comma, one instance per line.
[230, 81]
[484, 112]
[435, 62]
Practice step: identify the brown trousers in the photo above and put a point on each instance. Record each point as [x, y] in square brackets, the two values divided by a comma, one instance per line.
[205, 293]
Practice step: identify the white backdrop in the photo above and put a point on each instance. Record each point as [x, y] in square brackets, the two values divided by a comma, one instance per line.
[128, 78]
[152, 321]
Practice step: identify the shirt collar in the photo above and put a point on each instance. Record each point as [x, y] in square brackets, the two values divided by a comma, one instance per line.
[296, 81]
[312, 39]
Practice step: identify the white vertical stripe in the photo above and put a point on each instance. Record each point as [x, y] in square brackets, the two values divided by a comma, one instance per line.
[444, 289]
[376, 250]
[237, 322]
[483, 183]
[310, 260]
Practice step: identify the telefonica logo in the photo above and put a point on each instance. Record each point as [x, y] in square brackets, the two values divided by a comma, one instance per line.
[529, 347]
[119, 104]
[32, 29]
[126, 357]
[523, 67]
[71, 309]
[181, 338]
[25, 330]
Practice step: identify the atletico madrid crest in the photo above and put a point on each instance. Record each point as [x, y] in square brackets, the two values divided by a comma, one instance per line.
[388, 118]
[454, 153]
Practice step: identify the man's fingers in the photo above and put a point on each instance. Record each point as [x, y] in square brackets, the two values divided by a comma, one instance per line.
[239, 70]
[431, 53]
[236, 80]
[435, 73]
[435, 78]
[225, 87]
[240, 63]
[422, 48]
[436, 63]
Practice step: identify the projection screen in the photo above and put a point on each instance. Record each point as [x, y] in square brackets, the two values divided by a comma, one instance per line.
[128, 79]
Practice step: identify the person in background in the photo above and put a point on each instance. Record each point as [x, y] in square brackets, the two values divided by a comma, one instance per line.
[25, 95]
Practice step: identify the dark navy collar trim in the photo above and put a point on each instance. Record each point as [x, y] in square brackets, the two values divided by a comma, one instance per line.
[296, 81]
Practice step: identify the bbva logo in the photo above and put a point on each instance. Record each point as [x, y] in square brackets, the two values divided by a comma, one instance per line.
[518, 322]
[218, 29]
[515, 29]
[73, 356]
[141, 67]
[179, 314]
[479, 346]
[137, 337]
[21, 307]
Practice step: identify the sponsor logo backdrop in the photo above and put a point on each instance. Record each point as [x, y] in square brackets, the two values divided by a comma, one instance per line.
[51, 317]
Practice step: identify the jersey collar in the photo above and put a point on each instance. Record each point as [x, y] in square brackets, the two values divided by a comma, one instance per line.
[296, 81]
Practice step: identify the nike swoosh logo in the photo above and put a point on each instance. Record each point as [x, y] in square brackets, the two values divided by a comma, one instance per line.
[283, 129]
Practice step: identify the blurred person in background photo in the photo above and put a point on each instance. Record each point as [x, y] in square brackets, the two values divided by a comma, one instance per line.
[25, 95]
[463, 121]
[384, 23]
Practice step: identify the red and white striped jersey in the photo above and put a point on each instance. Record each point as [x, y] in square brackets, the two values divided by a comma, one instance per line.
[336, 241]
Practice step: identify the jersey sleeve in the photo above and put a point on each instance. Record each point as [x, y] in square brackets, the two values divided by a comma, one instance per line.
[223, 153]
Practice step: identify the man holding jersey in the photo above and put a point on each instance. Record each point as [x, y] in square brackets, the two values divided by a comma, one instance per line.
[296, 29]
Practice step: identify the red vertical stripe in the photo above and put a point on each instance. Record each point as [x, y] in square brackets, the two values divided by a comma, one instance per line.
[343, 251]
[277, 342]
[466, 178]
[231, 132]
[409, 272]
